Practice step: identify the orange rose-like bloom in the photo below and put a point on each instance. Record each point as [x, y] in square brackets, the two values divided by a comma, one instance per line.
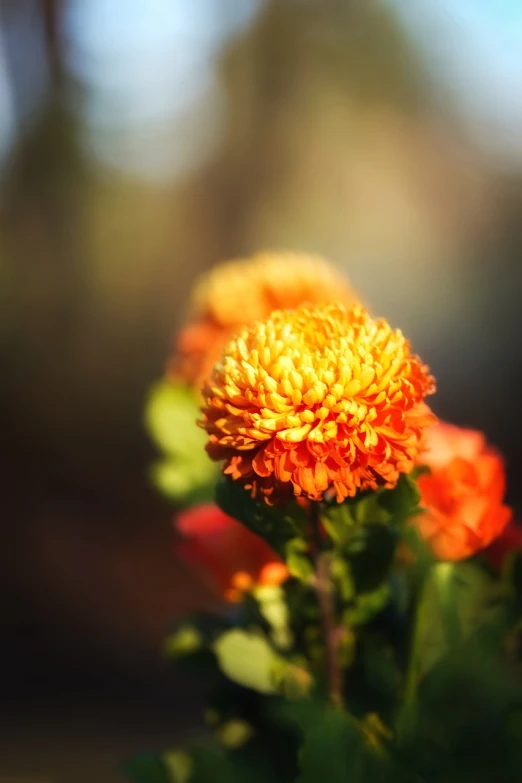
[237, 293]
[228, 556]
[463, 492]
[316, 399]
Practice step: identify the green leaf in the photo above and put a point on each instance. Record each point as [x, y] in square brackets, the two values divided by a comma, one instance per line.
[368, 605]
[331, 751]
[459, 599]
[241, 765]
[419, 470]
[375, 678]
[293, 682]
[187, 480]
[276, 526]
[339, 521]
[248, 659]
[403, 499]
[464, 712]
[146, 768]
[511, 576]
[235, 733]
[336, 750]
[178, 765]
[343, 520]
[186, 640]
[171, 478]
[379, 507]
[341, 573]
[274, 610]
[335, 746]
[297, 559]
[369, 510]
[212, 765]
[189, 643]
[171, 412]
[298, 717]
[370, 553]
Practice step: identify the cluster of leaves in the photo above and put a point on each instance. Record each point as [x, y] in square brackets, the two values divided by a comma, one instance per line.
[429, 652]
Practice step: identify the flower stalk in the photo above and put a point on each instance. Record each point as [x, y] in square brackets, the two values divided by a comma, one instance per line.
[406, 717]
[326, 603]
[444, 574]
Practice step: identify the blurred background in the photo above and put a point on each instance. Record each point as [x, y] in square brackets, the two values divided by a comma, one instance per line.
[140, 143]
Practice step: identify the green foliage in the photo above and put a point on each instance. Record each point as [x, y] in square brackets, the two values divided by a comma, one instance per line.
[198, 765]
[235, 733]
[512, 580]
[465, 721]
[421, 644]
[367, 605]
[295, 554]
[147, 768]
[250, 764]
[365, 531]
[458, 599]
[403, 499]
[170, 415]
[248, 659]
[274, 610]
[282, 529]
[333, 750]
[186, 483]
[335, 747]
[185, 473]
[339, 521]
[190, 642]
[178, 765]
[267, 755]
[380, 507]
[375, 679]
[341, 574]
[292, 681]
[370, 553]
[185, 641]
[368, 508]
[210, 764]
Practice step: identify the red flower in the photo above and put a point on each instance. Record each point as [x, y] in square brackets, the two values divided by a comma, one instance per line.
[225, 552]
[463, 492]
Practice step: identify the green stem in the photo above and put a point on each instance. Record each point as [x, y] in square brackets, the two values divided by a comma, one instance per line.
[443, 577]
[406, 716]
[325, 600]
[439, 578]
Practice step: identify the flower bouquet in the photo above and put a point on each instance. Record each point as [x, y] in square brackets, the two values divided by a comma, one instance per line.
[370, 591]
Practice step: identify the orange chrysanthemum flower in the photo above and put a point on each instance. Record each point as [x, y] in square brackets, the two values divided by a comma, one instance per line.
[237, 293]
[463, 492]
[317, 400]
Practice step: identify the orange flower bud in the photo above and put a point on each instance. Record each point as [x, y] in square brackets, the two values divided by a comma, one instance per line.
[236, 293]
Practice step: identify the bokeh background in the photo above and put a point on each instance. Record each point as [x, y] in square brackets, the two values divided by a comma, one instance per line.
[142, 142]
